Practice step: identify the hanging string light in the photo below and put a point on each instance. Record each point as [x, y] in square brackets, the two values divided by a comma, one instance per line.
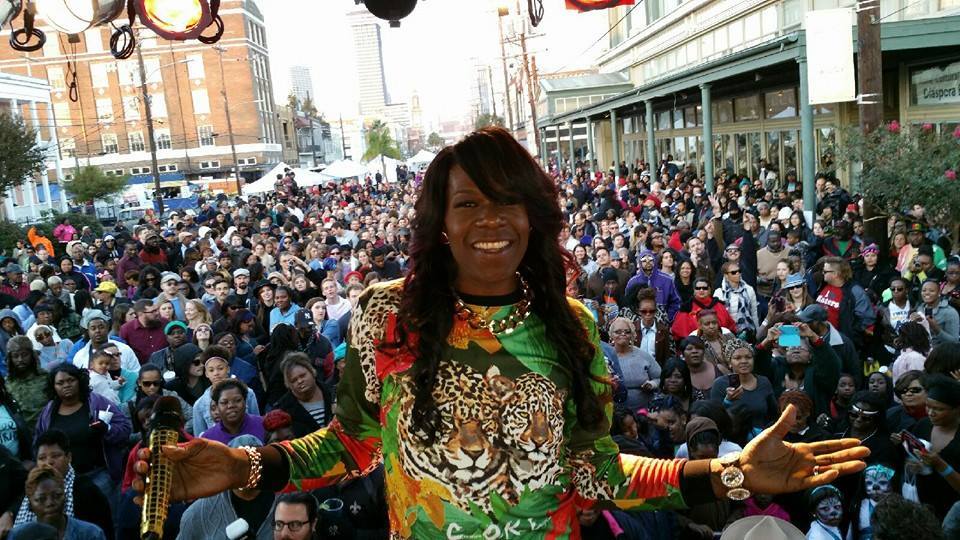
[20, 39]
[75, 16]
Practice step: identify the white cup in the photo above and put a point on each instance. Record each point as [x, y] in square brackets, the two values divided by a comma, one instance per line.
[105, 416]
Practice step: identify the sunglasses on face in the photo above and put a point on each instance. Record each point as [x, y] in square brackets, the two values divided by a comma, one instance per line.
[43, 336]
[647, 311]
[911, 390]
[196, 363]
[701, 288]
[733, 272]
[857, 412]
[896, 289]
[622, 332]
[150, 384]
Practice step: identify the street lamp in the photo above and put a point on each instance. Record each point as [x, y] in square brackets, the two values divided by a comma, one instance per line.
[175, 19]
[75, 16]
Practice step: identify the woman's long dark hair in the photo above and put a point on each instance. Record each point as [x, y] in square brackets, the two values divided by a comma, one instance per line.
[504, 171]
[81, 375]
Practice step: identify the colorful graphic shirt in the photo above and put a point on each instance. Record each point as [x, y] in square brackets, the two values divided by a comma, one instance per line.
[510, 460]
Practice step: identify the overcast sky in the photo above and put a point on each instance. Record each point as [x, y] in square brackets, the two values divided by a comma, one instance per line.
[432, 52]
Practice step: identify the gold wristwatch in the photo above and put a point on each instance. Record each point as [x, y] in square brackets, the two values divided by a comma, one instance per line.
[732, 476]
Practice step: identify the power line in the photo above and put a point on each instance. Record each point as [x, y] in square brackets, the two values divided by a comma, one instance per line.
[605, 34]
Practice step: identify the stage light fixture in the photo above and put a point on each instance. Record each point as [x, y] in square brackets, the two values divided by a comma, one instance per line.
[175, 19]
[9, 9]
[75, 16]
[391, 10]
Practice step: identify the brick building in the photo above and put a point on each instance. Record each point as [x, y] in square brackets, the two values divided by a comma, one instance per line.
[106, 127]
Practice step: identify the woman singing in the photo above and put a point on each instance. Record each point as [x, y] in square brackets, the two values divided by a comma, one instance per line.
[483, 389]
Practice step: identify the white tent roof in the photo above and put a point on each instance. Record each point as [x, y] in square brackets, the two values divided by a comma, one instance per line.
[374, 166]
[423, 157]
[265, 182]
[306, 178]
[345, 168]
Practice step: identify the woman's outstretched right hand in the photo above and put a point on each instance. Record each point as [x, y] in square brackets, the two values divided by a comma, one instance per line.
[201, 468]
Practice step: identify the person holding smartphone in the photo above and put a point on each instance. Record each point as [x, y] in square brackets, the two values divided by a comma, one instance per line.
[943, 320]
[743, 391]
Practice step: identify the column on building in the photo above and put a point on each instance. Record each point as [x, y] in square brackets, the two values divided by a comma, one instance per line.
[570, 141]
[807, 156]
[590, 147]
[45, 178]
[651, 141]
[544, 158]
[707, 135]
[615, 139]
[55, 142]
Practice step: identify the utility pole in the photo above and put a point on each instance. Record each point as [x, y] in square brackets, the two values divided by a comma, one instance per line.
[493, 100]
[183, 125]
[226, 107]
[501, 13]
[343, 138]
[158, 196]
[313, 140]
[531, 83]
[870, 86]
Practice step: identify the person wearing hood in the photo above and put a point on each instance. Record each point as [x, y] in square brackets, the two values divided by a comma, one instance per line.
[9, 326]
[47, 342]
[14, 285]
[189, 382]
[81, 261]
[69, 271]
[668, 300]
[152, 252]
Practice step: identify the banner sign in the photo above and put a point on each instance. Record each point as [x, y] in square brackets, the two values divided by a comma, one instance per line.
[936, 85]
[830, 73]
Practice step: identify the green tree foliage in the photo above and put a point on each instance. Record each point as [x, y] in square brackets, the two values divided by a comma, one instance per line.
[20, 157]
[380, 142]
[487, 119]
[903, 167]
[435, 141]
[90, 184]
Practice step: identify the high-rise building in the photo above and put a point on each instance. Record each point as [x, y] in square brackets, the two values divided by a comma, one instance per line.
[301, 83]
[368, 48]
[106, 126]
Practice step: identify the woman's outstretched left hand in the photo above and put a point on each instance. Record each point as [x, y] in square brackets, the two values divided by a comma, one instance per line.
[771, 465]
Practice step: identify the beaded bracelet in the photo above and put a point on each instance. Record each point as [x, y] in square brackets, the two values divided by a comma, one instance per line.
[253, 479]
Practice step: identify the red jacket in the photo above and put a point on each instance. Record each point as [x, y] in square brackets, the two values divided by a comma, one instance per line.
[685, 322]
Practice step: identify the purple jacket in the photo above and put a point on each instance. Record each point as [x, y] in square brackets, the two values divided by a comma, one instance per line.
[114, 439]
[667, 296]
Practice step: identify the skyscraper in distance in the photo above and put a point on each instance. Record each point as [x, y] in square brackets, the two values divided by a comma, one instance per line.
[301, 83]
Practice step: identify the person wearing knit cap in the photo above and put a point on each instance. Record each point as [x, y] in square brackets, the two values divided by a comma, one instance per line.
[277, 424]
[176, 332]
[668, 299]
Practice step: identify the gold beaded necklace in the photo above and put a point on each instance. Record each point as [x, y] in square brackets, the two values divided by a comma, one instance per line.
[508, 324]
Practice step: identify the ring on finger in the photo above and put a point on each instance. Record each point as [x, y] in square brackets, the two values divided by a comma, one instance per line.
[816, 470]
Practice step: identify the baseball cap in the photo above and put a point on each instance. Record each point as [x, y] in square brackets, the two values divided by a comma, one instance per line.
[241, 272]
[174, 324]
[812, 313]
[167, 276]
[107, 287]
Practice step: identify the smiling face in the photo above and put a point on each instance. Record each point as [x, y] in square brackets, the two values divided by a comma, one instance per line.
[487, 239]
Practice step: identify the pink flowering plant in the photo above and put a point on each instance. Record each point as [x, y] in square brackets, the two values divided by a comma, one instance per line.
[906, 165]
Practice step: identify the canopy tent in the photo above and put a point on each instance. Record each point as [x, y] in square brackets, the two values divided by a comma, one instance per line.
[265, 183]
[307, 178]
[345, 168]
[376, 165]
[423, 157]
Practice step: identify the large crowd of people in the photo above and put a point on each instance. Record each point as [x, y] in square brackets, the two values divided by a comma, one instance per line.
[716, 310]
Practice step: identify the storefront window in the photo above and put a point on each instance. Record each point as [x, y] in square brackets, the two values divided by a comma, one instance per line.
[690, 117]
[663, 120]
[678, 119]
[693, 152]
[826, 142]
[789, 139]
[723, 111]
[773, 149]
[728, 153]
[824, 108]
[935, 85]
[680, 149]
[742, 160]
[756, 152]
[627, 125]
[665, 148]
[747, 108]
[780, 104]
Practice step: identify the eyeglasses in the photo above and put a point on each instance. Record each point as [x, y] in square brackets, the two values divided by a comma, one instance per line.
[196, 363]
[43, 336]
[701, 288]
[857, 412]
[897, 289]
[150, 384]
[647, 311]
[733, 272]
[911, 390]
[623, 332]
[294, 526]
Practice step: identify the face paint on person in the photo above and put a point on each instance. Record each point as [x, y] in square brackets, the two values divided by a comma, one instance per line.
[877, 481]
[830, 511]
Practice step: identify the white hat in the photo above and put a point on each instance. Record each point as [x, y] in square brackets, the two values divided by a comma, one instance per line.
[762, 528]
[202, 232]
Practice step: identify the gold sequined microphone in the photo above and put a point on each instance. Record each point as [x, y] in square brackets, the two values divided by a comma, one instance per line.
[165, 424]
